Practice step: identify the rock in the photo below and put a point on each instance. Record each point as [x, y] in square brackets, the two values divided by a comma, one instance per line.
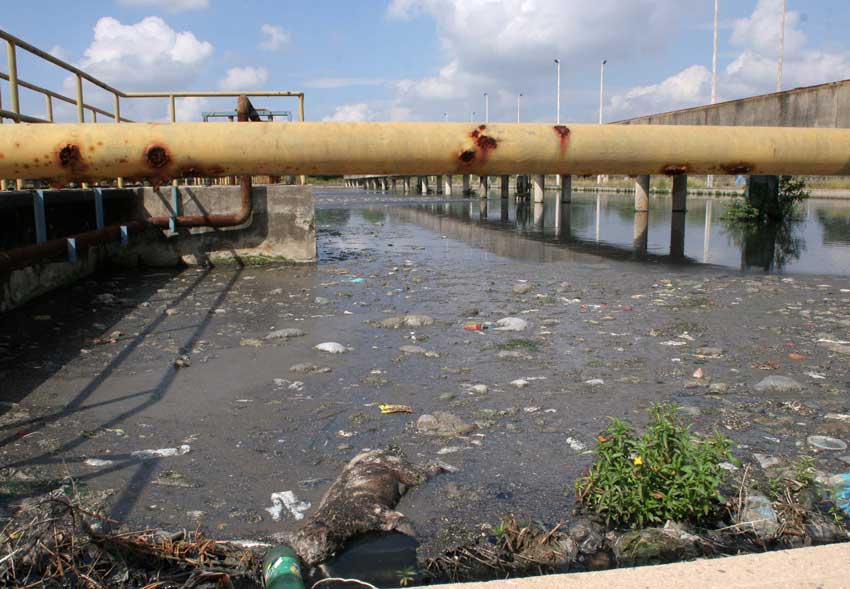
[522, 288]
[106, 299]
[332, 348]
[182, 362]
[390, 323]
[442, 423]
[471, 312]
[576, 445]
[824, 531]
[778, 384]
[478, 389]
[759, 516]
[511, 324]
[307, 368]
[285, 334]
[766, 461]
[418, 320]
[827, 443]
[171, 312]
[588, 535]
[710, 352]
[512, 355]
[654, 546]
[520, 383]
[557, 553]
[322, 301]
[718, 388]
[838, 417]
[250, 342]
[413, 350]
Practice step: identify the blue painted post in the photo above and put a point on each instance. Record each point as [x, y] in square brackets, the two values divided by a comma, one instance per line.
[98, 207]
[40, 221]
[175, 208]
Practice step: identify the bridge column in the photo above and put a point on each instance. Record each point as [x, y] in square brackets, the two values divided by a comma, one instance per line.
[677, 235]
[642, 193]
[465, 181]
[506, 186]
[538, 187]
[566, 187]
[394, 182]
[483, 186]
[641, 235]
[423, 186]
[407, 184]
[438, 184]
[680, 193]
[447, 186]
[384, 185]
[522, 185]
[763, 194]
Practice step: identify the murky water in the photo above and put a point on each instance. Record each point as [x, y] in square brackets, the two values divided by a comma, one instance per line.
[818, 242]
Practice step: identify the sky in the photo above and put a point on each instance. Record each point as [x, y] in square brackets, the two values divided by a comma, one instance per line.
[426, 60]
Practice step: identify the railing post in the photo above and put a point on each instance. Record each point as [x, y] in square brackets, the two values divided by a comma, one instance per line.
[3, 185]
[81, 113]
[98, 208]
[303, 179]
[48, 102]
[38, 213]
[175, 194]
[117, 109]
[14, 95]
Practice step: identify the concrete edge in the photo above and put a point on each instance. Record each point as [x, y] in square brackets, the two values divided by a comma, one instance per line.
[826, 567]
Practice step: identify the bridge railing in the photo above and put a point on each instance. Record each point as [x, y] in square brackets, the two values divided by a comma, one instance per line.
[15, 82]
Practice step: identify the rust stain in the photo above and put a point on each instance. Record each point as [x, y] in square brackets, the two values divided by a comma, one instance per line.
[157, 156]
[2, 155]
[483, 145]
[71, 159]
[739, 168]
[563, 133]
[675, 170]
[467, 155]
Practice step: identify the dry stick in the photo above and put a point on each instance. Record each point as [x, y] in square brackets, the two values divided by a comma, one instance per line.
[549, 534]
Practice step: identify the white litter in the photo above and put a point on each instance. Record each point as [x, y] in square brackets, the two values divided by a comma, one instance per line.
[288, 500]
[594, 382]
[332, 348]
[511, 324]
[97, 462]
[576, 445]
[162, 452]
[520, 383]
[674, 343]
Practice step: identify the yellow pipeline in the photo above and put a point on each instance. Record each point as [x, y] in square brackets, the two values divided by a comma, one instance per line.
[163, 151]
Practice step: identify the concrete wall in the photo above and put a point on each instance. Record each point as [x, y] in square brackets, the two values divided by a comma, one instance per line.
[826, 106]
[282, 229]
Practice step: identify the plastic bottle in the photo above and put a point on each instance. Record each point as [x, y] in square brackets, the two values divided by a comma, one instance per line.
[282, 569]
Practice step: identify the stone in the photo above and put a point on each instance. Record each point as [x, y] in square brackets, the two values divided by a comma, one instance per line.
[759, 516]
[418, 320]
[250, 342]
[442, 423]
[778, 384]
[522, 288]
[827, 443]
[307, 368]
[511, 324]
[285, 334]
[654, 546]
[718, 388]
[413, 350]
[710, 352]
[766, 461]
[332, 348]
[478, 389]
[512, 355]
[520, 383]
[588, 535]
[391, 322]
[824, 531]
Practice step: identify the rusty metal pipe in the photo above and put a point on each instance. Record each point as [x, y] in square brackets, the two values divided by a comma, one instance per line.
[160, 152]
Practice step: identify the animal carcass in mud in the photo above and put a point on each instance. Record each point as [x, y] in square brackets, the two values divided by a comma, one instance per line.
[361, 500]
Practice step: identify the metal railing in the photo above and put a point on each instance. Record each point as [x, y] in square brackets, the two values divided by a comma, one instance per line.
[14, 113]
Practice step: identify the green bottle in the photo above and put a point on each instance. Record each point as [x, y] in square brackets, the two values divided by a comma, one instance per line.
[282, 569]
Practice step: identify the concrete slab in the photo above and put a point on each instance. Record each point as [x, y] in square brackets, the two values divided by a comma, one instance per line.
[823, 567]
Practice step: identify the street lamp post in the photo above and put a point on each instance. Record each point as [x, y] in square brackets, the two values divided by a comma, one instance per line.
[518, 98]
[781, 47]
[600, 177]
[486, 108]
[558, 92]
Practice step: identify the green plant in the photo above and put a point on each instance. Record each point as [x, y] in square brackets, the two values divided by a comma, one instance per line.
[740, 211]
[667, 473]
[406, 576]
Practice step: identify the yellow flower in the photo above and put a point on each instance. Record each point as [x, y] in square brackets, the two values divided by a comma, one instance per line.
[638, 460]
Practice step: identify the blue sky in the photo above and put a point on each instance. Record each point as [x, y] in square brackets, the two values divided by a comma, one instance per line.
[416, 59]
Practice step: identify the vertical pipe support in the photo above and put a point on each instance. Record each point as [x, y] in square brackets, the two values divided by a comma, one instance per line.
[98, 207]
[447, 186]
[642, 193]
[176, 208]
[483, 186]
[538, 187]
[72, 250]
[39, 216]
[438, 184]
[680, 193]
[566, 188]
[116, 107]
[465, 181]
[506, 186]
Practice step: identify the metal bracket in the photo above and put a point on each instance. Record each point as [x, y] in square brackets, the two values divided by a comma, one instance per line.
[72, 250]
[40, 221]
[98, 207]
[175, 208]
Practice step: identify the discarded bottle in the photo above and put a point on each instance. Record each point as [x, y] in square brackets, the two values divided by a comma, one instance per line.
[282, 569]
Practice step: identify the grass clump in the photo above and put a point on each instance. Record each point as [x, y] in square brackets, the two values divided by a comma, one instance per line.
[666, 473]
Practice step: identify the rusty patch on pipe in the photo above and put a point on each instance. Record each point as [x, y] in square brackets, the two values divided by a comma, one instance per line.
[675, 170]
[69, 156]
[739, 168]
[157, 156]
[467, 155]
[563, 133]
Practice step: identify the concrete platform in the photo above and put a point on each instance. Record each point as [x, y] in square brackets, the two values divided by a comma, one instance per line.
[824, 567]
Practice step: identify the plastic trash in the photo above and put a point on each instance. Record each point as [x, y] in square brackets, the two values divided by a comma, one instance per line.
[842, 492]
[385, 408]
[287, 500]
[282, 569]
[511, 324]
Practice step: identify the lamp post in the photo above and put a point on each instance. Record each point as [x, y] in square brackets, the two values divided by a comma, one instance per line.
[781, 47]
[445, 117]
[518, 98]
[558, 91]
[709, 181]
[600, 177]
[486, 108]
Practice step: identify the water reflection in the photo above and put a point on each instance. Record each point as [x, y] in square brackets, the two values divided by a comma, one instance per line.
[606, 224]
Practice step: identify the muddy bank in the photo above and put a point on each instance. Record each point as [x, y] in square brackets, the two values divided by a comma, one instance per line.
[89, 376]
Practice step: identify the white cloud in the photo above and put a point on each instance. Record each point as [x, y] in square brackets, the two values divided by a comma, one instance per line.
[351, 113]
[144, 56]
[168, 5]
[275, 37]
[752, 72]
[330, 83]
[59, 52]
[244, 78]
